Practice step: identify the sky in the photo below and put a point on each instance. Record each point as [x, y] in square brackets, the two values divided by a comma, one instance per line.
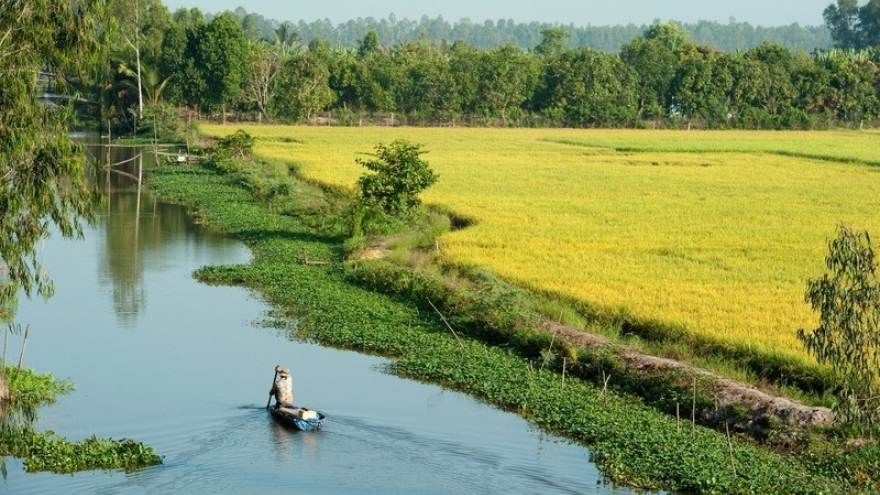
[577, 12]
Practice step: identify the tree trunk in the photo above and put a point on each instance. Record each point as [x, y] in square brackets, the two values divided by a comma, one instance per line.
[4, 389]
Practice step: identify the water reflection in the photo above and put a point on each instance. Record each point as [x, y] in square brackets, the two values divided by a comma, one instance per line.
[291, 444]
[136, 226]
[136, 229]
[18, 415]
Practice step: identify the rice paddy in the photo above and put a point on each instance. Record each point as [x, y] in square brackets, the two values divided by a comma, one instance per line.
[714, 232]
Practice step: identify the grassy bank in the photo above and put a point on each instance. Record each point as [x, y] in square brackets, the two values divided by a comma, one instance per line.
[633, 444]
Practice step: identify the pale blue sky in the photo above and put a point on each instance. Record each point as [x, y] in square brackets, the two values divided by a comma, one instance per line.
[579, 12]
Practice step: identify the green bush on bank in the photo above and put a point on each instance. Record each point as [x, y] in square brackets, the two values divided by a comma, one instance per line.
[632, 443]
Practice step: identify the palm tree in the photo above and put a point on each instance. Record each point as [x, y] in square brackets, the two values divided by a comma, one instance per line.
[152, 83]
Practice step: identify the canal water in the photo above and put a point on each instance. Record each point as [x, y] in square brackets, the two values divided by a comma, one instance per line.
[186, 368]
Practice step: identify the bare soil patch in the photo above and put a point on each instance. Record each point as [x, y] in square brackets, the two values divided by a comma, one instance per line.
[762, 408]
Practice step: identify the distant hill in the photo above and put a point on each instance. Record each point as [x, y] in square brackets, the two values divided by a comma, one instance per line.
[728, 37]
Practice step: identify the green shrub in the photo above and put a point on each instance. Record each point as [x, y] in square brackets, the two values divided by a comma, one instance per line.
[399, 175]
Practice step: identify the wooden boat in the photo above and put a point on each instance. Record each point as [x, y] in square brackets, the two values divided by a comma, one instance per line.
[301, 418]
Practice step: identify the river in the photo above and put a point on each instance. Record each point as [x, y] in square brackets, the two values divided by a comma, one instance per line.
[186, 368]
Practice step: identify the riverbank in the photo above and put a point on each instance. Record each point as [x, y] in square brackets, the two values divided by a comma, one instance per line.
[560, 387]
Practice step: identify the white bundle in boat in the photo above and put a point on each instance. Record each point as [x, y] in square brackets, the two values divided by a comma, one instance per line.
[306, 414]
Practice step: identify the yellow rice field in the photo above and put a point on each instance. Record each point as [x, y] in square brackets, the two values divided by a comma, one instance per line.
[715, 231]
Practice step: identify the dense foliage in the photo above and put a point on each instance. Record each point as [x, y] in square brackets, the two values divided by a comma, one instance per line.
[42, 175]
[238, 64]
[43, 182]
[853, 26]
[493, 33]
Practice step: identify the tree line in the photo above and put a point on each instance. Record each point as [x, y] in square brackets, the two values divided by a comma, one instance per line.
[488, 34]
[222, 66]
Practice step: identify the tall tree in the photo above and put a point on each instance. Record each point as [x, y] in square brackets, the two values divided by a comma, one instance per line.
[508, 78]
[852, 96]
[369, 44]
[221, 58]
[251, 27]
[42, 171]
[554, 41]
[852, 26]
[179, 59]
[344, 66]
[176, 64]
[424, 87]
[700, 88]
[869, 24]
[586, 88]
[302, 87]
[285, 34]
[655, 57]
[466, 65]
[143, 28]
[780, 95]
[848, 336]
[263, 65]
[377, 74]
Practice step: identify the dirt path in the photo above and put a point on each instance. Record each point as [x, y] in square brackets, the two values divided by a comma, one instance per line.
[763, 408]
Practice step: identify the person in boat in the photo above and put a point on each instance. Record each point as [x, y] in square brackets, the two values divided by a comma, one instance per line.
[283, 388]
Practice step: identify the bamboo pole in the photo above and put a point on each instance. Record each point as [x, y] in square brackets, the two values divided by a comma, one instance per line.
[694, 412]
[677, 419]
[730, 448]
[549, 349]
[27, 330]
[5, 342]
[450, 326]
[605, 380]
[273, 385]
[564, 364]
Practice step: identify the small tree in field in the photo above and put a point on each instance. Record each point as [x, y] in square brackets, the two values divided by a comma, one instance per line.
[848, 336]
[399, 176]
